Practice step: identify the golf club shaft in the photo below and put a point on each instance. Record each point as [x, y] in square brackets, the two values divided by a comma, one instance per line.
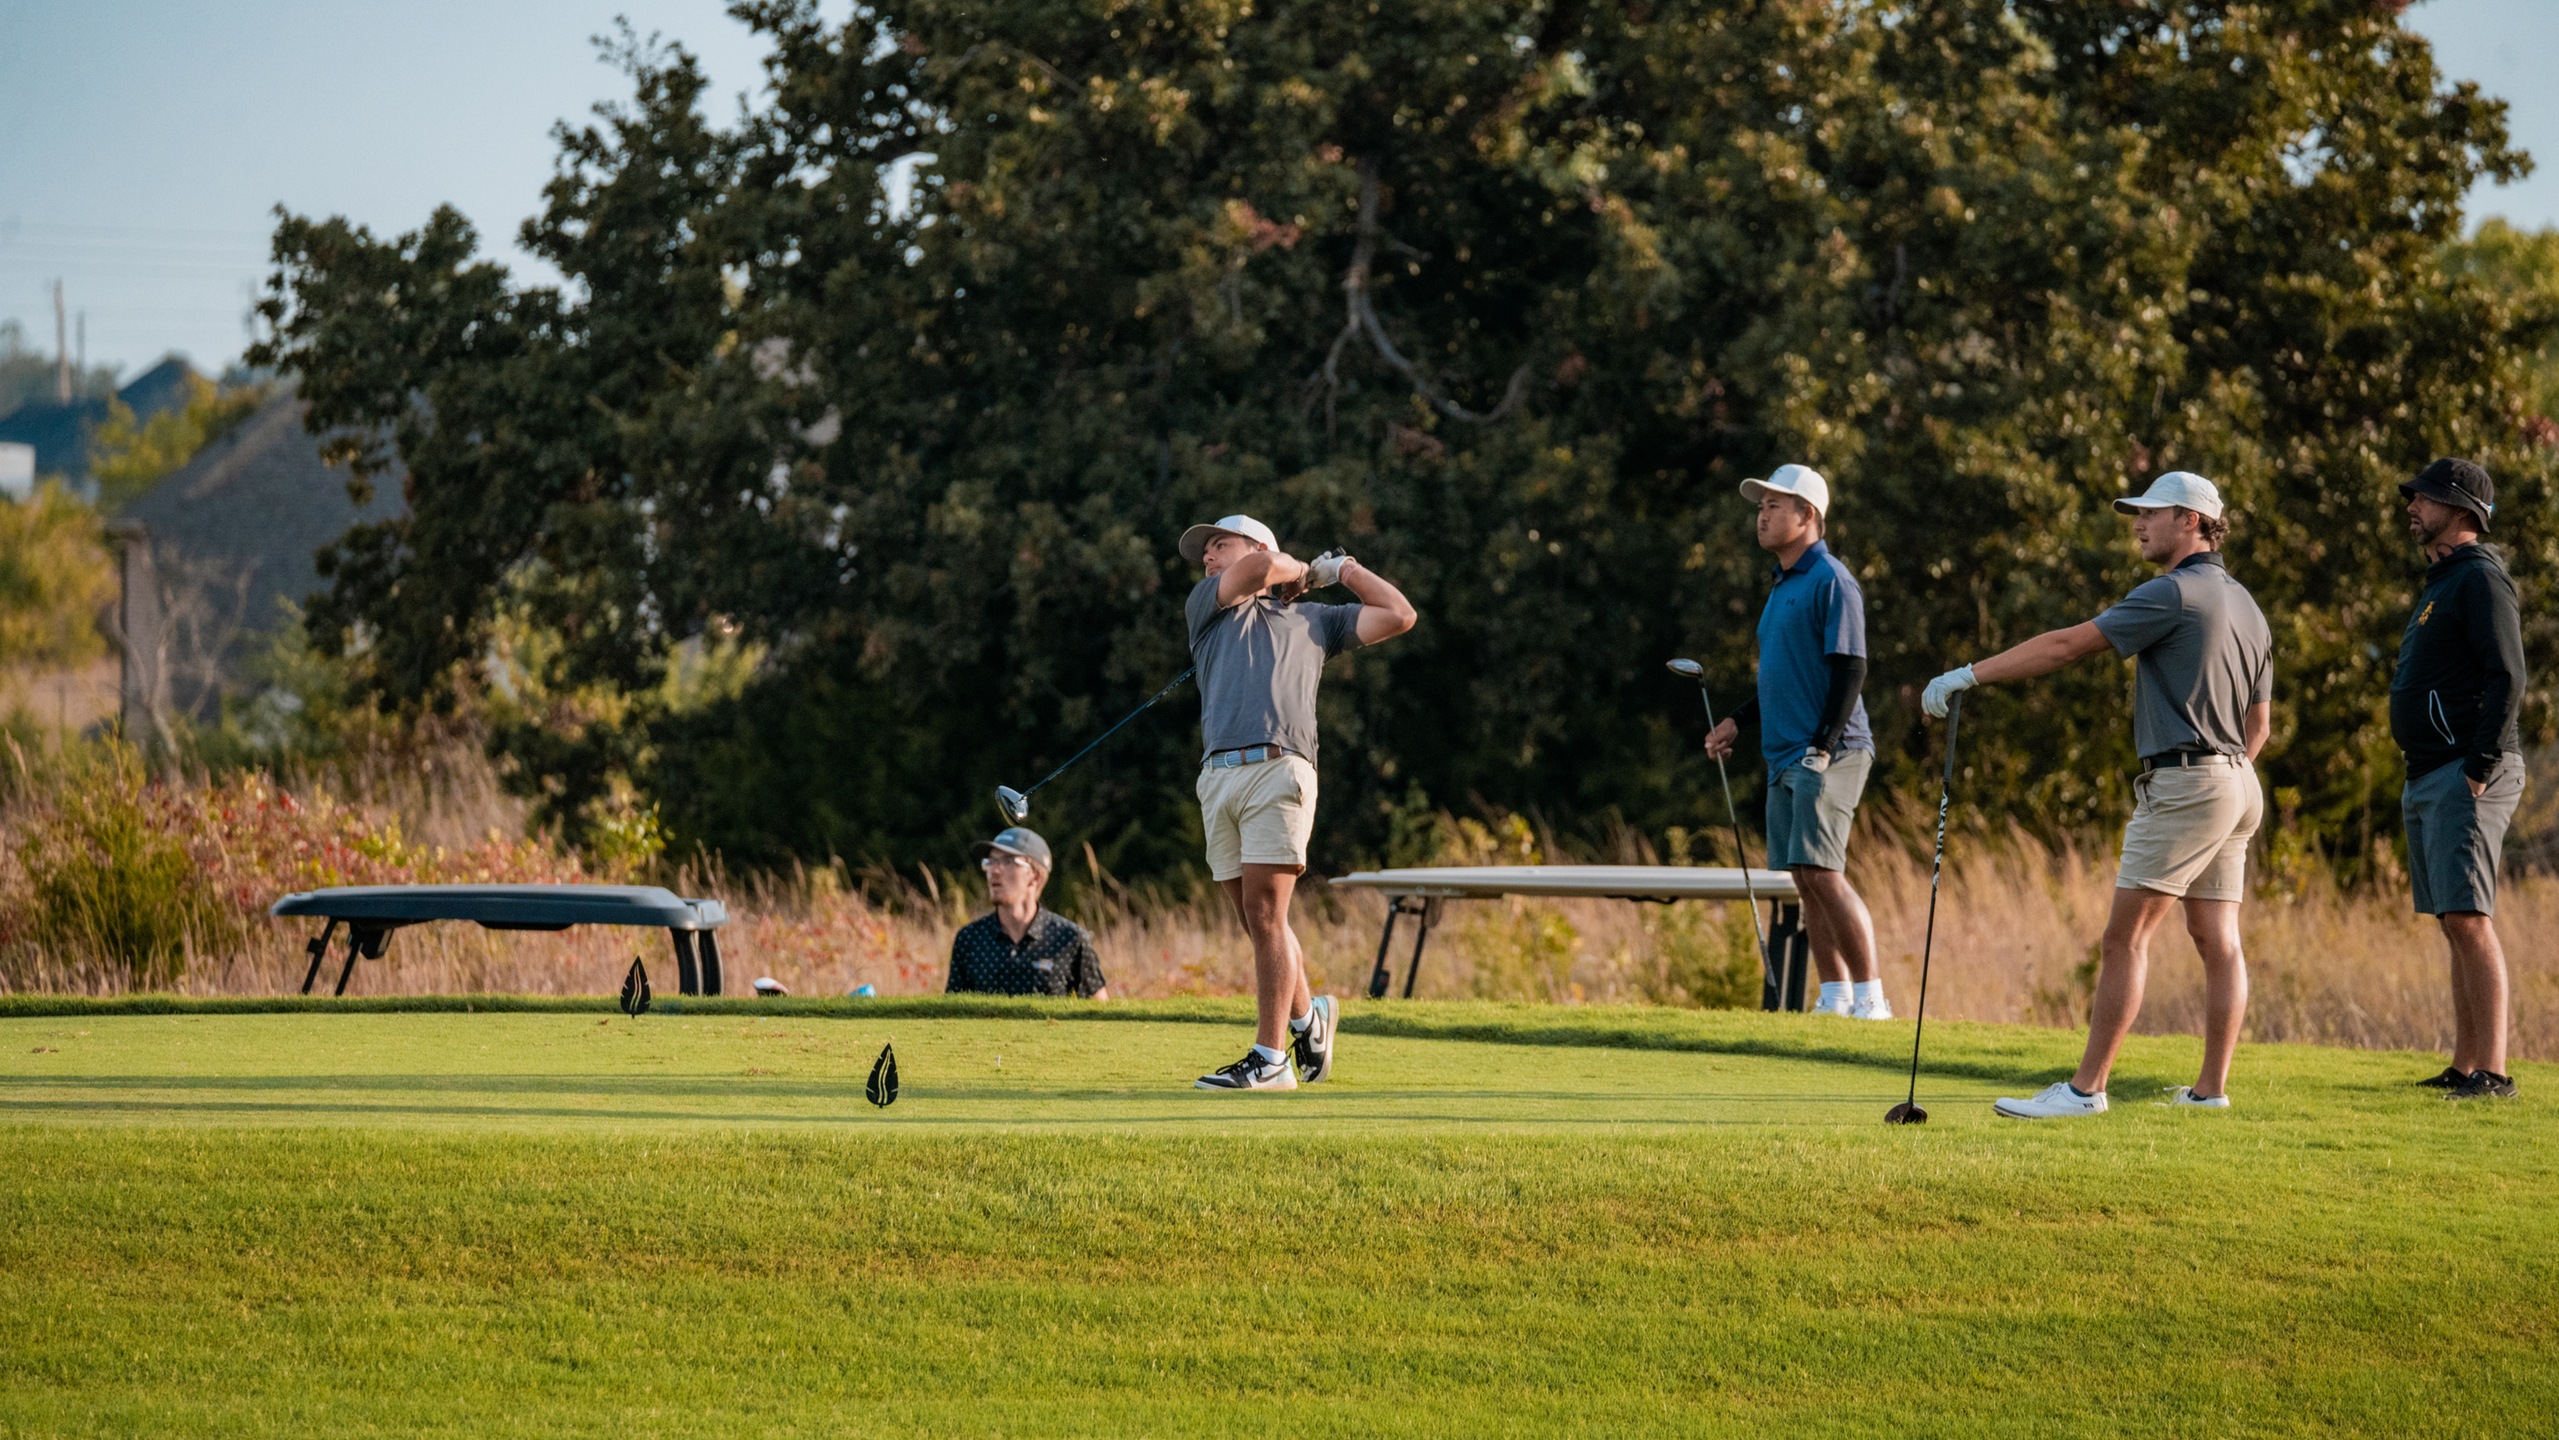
[1767, 966]
[1114, 730]
[1928, 944]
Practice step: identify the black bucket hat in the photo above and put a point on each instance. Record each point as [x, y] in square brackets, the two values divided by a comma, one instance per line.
[2457, 483]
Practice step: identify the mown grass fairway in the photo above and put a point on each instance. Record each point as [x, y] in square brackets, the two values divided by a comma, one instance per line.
[1497, 1220]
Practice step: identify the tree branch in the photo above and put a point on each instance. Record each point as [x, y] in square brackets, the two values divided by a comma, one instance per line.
[1361, 318]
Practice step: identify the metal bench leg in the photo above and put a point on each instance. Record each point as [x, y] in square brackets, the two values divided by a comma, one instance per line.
[1384, 975]
[355, 942]
[1782, 987]
[319, 950]
[710, 942]
[687, 980]
[1421, 937]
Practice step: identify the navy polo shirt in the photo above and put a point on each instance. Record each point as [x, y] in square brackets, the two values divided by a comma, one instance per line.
[1814, 611]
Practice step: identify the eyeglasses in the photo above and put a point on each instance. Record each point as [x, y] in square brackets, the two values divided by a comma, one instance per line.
[992, 863]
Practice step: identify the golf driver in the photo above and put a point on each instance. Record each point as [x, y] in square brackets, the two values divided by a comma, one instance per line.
[1908, 1111]
[1016, 804]
[1691, 670]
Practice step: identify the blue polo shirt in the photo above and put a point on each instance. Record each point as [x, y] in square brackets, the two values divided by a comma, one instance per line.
[1815, 611]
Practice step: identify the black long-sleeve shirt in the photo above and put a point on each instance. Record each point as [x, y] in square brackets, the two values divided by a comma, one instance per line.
[1847, 679]
[2460, 682]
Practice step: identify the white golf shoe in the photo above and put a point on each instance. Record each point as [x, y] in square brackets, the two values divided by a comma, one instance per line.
[2183, 1097]
[1838, 1005]
[2053, 1102]
[1878, 1008]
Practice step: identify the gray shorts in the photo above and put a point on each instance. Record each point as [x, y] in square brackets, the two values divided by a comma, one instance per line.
[2454, 840]
[1809, 814]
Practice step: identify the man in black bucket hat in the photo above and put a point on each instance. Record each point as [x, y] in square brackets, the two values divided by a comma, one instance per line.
[2454, 703]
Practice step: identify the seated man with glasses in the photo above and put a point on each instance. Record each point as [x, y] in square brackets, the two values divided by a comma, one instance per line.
[1022, 949]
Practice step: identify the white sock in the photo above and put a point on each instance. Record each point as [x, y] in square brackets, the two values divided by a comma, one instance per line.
[1869, 992]
[1298, 1025]
[1833, 991]
[1267, 1055]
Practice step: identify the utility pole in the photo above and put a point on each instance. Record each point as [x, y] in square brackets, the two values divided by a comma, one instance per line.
[80, 328]
[61, 349]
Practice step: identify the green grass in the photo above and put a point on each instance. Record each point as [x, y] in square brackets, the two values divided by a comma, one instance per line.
[1498, 1220]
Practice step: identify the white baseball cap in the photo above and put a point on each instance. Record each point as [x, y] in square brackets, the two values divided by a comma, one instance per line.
[1195, 540]
[1801, 481]
[2177, 487]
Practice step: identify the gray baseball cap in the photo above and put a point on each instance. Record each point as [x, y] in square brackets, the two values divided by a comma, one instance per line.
[1016, 840]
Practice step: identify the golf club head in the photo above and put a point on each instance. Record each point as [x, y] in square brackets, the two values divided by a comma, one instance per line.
[1015, 805]
[1905, 1114]
[1687, 669]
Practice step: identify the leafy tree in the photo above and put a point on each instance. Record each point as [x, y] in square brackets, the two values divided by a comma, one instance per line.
[55, 580]
[1506, 297]
[2523, 265]
[127, 456]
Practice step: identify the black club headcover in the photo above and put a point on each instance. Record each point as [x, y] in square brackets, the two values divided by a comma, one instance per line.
[882, 1091]
[635, 988]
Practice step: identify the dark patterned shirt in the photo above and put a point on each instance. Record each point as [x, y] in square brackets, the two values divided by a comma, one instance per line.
[1056, 957]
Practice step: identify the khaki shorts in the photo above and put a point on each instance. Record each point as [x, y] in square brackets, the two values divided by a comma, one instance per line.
[2190, 831]
[1257, 814]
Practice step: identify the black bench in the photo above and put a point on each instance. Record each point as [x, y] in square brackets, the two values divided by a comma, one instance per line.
[372, 912]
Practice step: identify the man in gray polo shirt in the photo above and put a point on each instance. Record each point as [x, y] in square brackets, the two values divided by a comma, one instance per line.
[2203, 694]
[1261, 653]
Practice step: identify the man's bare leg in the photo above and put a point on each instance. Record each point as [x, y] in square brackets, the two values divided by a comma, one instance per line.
[2214, 924]
[1840, 931]
[2120, 979]
[1261, 898]
[2478, 991]
[2465, 1043]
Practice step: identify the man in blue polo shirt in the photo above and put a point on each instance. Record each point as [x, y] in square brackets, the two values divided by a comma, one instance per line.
[1813, 732]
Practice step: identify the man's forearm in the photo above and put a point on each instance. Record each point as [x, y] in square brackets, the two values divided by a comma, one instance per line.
[1259, 571]
[2042, 655]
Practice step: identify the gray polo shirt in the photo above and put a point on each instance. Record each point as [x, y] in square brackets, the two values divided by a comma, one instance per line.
[2205, 656]
[1260, 662]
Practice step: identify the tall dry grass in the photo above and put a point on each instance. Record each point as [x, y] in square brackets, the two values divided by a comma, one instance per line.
[2016, 929]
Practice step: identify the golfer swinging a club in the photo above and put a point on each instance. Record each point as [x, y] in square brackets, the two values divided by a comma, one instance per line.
[2203, 689]
[1261, 653]
[1813, 732]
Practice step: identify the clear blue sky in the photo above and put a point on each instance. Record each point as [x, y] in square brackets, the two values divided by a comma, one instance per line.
[143, 142]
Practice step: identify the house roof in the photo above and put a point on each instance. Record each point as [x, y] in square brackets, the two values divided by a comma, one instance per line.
[252, 509]
[61, 433]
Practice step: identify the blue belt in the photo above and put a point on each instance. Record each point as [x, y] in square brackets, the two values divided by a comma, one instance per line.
[1249, 755]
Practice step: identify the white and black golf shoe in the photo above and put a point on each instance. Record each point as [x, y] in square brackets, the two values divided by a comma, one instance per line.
[2056, 1101]
[1312, 1047]
[1250, 1073]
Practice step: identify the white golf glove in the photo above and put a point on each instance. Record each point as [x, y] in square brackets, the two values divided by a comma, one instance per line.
[1816, 761]
[1326, 569]
[1945, 688]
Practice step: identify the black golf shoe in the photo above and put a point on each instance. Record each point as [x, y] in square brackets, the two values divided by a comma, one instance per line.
[2450, 1079]
[2484, 1085]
